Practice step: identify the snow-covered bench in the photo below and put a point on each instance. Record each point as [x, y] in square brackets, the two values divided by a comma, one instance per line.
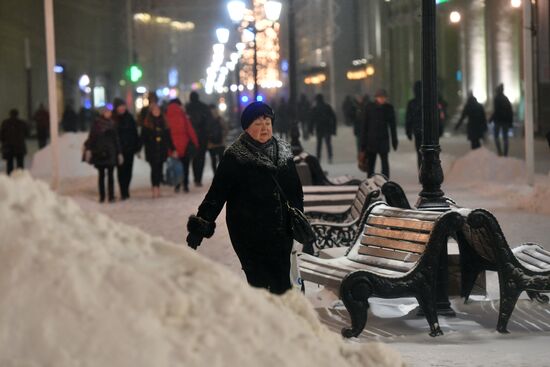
[341, 229]
[397, 255]
[318, 176]
[524, 268]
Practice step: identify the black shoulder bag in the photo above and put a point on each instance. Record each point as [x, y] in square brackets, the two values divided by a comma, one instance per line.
[301, 229]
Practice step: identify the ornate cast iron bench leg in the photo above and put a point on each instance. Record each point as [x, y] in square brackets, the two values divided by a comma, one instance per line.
[355, 291]
[359, 286]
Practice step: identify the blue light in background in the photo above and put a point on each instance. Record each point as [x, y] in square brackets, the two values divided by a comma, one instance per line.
[260, 98]
[173, 77]
[109, 106]
[58, 69]
[458, 75]
[284, 65]
[244, 99]
[88, 104]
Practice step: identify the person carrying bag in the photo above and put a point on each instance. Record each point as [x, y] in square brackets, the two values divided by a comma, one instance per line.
[301, 229]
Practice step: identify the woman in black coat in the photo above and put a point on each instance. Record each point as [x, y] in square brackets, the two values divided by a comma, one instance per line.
[13, 132]
[103, 151]
[157, 142]
[379, 123]
[256, 214]
[130, 144]
[477, 122]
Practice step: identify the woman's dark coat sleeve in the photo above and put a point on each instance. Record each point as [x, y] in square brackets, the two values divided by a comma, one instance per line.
[222, 184]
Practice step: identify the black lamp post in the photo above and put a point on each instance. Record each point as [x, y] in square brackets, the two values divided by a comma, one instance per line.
[431, 174]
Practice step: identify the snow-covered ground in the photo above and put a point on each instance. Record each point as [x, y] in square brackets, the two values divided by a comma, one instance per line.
[473, 179]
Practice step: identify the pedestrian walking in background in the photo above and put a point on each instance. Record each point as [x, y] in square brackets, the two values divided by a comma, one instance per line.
[413, 120]
[477, 122]
[349, 110]
[360, 118]
[183, 137]
[378, 127]
[42, 123]
[157, 142]
[152, 99]
[85, 118]
[323, 119]
[13, 133]
[217, 132]
[200, 117]
[256, 213]
[282, 116]
[130, 144]
[502, 118]
[102, 150]
[303, 113]
[69, 121]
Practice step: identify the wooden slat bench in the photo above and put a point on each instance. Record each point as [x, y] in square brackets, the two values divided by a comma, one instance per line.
[313, 200]
[348, 212]
[329, 190]
[342, 229]
[484, 247]
[397, 255]
[318, 176]
[324, 199]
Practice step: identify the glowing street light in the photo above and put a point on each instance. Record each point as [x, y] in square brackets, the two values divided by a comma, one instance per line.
[273, 10]
[84, 81]
[236, 9]
[223, 35]
[454, 17]
[218, 48]
[515, 3]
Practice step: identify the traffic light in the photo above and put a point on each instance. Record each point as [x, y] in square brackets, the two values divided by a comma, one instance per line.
[134, 73]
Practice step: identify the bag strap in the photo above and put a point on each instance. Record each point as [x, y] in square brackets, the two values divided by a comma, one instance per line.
[280, 190]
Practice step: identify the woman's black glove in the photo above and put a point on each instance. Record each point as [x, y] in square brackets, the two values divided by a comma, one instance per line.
[198, 228]
[194, 240]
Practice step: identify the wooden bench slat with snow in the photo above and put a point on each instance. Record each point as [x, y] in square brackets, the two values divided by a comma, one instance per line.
[397, 256]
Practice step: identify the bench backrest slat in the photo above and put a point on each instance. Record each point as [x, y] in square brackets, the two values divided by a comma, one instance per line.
[394, 238]
[398, 233]
[419, 225]
[389, 254]
[393, 244]
[361, 197]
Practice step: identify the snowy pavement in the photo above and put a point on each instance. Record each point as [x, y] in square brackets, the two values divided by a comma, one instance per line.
[470, 339]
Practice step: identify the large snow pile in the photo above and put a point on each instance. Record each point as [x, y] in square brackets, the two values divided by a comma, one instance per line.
[502, 177]
[482, 165]
[535, 199]
[70, 159]
[79, 289]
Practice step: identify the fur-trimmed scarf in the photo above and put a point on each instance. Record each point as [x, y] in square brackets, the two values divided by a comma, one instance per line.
[245, 152]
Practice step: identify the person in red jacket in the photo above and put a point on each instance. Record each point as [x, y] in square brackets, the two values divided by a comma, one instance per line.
[183, 136]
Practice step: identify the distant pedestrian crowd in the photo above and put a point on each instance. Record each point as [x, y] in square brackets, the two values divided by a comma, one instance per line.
[175, 137]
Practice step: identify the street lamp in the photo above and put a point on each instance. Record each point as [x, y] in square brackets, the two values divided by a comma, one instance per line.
[245, 18]
[273, 10]
[223, 35]
[236, 9]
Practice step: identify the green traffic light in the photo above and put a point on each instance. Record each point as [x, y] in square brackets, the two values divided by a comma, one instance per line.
[135, 73]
